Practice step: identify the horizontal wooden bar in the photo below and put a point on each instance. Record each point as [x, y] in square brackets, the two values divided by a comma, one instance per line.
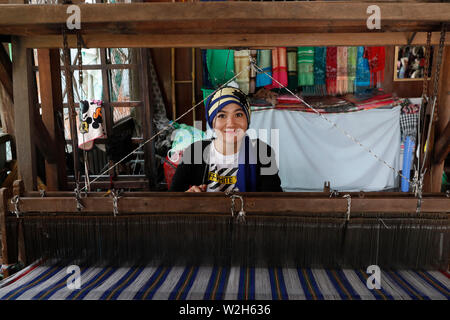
[26, 15]
[151, 194]
[236, 40]
[220, 204]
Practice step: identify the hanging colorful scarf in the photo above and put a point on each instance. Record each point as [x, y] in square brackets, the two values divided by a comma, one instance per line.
[320, 62]
[220, 66]
[205, 74]
[352, 53]
[264, 61]
[253, 73]
[376, 57]
[292, 68]
[319, 88]
[241, 67]
[279, 68]
[331, 70]
[305, 66]
[362, 81]
[341, 78]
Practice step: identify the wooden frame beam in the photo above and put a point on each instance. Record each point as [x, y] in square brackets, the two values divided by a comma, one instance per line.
[51, 104]
[254, 203]
[24, 106]
[121, 15]
[233, 40]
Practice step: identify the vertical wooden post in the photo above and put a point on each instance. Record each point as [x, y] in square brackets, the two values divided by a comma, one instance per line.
[108, 110]
[6, 92]
[5, 240]
[147, 121]
[51, 103]
[443, 112]
[72, 112]
[18, 190]
[24, 113]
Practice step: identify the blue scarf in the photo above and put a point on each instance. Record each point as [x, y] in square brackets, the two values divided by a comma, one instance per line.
[246, 174]
[362, 80]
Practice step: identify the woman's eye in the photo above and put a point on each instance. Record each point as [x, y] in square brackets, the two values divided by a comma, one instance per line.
[221, 116]
[240, 114]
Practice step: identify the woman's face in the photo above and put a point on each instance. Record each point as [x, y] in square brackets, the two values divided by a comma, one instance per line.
[230, 124]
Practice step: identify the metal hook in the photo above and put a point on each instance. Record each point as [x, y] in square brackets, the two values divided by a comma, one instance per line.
[241, 214]
[77, 191]
[349, 205]
[419, 184]
[115, 197]
[253, 64]
[15, 202]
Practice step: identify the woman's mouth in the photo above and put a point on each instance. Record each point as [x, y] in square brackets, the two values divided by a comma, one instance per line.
[230, 131]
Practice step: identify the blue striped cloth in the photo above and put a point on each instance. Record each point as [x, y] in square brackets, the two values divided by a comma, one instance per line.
[49, 282]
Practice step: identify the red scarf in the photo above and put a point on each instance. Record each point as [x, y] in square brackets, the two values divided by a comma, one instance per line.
[331, 70]
[376, 57]
[279, 68]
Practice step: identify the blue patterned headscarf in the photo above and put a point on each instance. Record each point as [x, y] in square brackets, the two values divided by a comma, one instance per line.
[223, 97]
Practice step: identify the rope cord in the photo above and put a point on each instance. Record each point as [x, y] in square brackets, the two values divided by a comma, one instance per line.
[333, 124]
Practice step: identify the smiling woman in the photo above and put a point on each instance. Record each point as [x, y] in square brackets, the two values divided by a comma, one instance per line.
[231, 161]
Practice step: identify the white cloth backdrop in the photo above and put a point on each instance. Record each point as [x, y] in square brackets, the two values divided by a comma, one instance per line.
[312, 151]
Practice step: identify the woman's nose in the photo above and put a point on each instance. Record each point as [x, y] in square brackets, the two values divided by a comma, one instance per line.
[230, 121]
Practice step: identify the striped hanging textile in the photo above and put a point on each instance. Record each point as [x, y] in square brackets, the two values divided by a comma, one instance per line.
[292, 68]
[352, 53]
[305, 66]
[362, 81]
[279, 68]
[319, 88]
[220, 65]
[320, 62]
[341, 78]
[241, 63]
[253, 73]
[161, 282]
[376, 57]
[331, 70]
[264, 61]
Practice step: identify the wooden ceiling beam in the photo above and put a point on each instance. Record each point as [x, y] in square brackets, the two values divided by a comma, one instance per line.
[215, 17]
[224, 11]
[232, 40]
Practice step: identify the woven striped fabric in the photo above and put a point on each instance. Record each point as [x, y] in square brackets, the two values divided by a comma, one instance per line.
[49, 282]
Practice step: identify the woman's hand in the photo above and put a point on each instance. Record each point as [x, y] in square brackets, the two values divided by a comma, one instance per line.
[200, 188]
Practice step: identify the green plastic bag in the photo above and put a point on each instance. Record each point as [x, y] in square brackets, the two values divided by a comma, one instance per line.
[185, 135]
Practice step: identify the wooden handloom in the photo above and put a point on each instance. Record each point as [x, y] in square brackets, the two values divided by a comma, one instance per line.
[377, 228]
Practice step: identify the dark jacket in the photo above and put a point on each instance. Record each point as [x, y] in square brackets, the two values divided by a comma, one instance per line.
[193, 169]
